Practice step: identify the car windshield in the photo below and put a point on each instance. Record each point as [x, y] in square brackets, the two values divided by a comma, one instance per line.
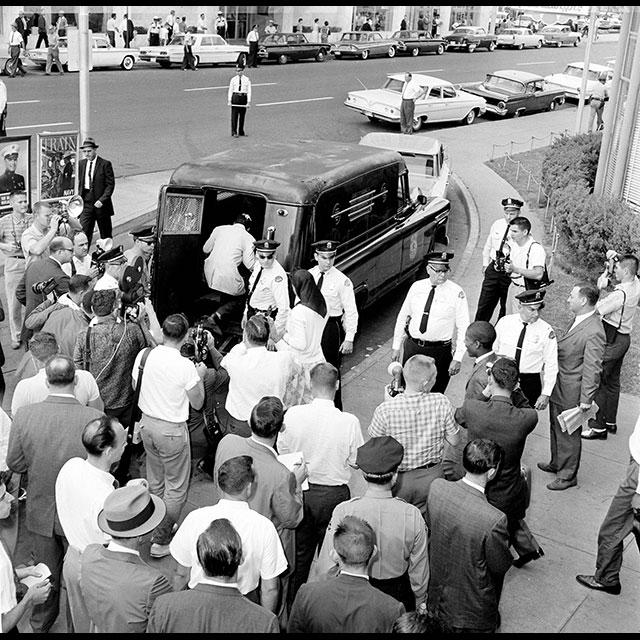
[504, 85]
[179, 39]
[463, 30]
[574, 72]
[354, 36]
[393, 84]
[510, 31]
[551, 30]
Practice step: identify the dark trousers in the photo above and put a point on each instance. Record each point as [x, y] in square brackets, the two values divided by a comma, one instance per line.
[413, 486]
[441, 353]
[398, 588]
[407, 109]
[494, 290]
[15, 64]
[608, 393]
[112, 38]
[616, 526]
[253, 55]
[531, 386]
[88, 221]
[237, 427]
[520, 536]
[50, 550]
[238, 114]
[42, 37]
[188, 60]
[319, 503]
[332, 338]
[127, 39]
[565, 449]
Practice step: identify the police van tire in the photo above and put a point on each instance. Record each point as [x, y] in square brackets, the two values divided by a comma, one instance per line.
[492, 46]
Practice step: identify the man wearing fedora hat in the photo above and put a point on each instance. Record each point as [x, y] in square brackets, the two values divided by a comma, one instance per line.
[97, 183]
[118, 586]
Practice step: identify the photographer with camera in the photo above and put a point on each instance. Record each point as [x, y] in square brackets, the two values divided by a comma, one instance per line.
[617, 310]
[496, 281]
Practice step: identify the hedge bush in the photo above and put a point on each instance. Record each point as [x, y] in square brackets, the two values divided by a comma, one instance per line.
[588, 225]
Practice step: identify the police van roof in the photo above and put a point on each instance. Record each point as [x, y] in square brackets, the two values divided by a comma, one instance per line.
[292, 172]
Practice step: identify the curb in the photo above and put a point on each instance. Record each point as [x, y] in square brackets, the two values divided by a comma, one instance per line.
[473, 218]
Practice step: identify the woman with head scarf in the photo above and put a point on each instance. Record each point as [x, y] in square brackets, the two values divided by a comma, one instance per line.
[305, 324]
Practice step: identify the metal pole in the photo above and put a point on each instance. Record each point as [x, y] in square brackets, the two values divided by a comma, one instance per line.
[582, 96]
[83, 68]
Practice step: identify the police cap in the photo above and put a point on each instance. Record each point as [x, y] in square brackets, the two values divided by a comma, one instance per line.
[439, 257]
[146, 233]
[325, 246]
[512, 203]
[12, 149]
[266, 245]
[533, 296]
[379, 455]
[113, 256]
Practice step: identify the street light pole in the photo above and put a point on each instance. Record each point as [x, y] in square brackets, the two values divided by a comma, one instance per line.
[83, 69]
[582, 96]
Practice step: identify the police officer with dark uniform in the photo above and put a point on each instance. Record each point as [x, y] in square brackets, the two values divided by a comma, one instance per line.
[10, 180]
[401, 567]
[342, 324]
[268, 286]
[434, 310]
[144, 240]
[496, 280]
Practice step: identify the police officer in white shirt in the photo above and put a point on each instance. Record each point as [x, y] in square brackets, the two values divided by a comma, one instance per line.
[496, 280]
[434, 310]
[342, 324]
[617, 310]
[268, 286]
[527, 259]
[221, 25]
[411, 91]
[532, 343]
[239, 99]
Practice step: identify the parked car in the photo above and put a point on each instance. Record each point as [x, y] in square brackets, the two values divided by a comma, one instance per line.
[610, 23]
[207, 49]
[363, 44]
[519, 38]
[557, 35]
[103, 55]
[417, 42]
[513, 93]
[442, 102]
[425, 157]
[470, 38]
[285, 47]
[570, 80]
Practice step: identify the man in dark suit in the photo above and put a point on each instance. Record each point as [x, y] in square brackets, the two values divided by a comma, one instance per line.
[60, 252]
[278, 491]
[346, 603]
[97, 182]
[43, 437]
[23, 27]
[498, 420]
[580, 354]
[214, 605]
[469, 545]
[118, 586]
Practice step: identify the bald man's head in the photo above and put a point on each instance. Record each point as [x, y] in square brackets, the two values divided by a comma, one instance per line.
[60, 371]
[419, 373]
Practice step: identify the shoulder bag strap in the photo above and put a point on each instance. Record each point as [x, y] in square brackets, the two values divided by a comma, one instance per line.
[87, 350]
[136, 393]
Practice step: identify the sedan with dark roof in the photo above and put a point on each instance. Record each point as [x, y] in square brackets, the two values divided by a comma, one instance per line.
[286, 47]
[471, 38]
[416, 42]
[364, 44]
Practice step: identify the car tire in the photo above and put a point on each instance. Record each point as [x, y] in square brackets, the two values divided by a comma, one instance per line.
[391, 53]
[372, 119]
[471, 47]
[518, 113]
[561, 100]
[520, 47]
[417, 123]
[552, 106]
[440, 50]
[576, 42]
[492, 46]
[127, 63]
[365, 54]
[337, 55]
[539, 45]
[196, 61]
[320, 56]
[165, 64]
[282, 59]
[470, 118]
[415, 51]
[559, 43]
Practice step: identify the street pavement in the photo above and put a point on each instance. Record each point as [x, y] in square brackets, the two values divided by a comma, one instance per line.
[543, 596]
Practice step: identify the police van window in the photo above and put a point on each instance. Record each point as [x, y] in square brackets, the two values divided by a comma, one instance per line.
[222, 207]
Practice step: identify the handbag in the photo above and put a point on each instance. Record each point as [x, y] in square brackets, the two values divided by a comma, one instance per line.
[531, 283]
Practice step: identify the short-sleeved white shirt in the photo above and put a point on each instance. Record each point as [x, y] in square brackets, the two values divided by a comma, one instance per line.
[166, 378]
[532, 253]
[262, 553]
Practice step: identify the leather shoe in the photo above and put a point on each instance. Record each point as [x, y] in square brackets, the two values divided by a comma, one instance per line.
[592, 583]
[594, 434]
[527, 557]
[612, 428]
[547, 468]
[560, 484]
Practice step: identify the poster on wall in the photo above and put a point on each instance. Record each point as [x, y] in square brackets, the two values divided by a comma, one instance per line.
[15, 169]
[57, 165]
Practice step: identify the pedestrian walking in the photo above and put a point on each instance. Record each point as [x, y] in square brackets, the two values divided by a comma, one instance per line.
[188, 59]
[599, 95]
[239, 99]
[252, 42]
[53, 53]
[411, 92]
[15, 45]
[112, 28]
[42, 30]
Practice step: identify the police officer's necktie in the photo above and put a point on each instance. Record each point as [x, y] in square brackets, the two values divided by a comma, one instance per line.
[427, 309]
[255, 284]
[239, 84]
[320, 281]
[519, 345]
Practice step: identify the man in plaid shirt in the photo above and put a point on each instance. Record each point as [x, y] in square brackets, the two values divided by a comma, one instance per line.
[420, 421]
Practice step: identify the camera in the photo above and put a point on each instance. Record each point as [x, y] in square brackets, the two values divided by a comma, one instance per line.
[500, 262]
[44, 287]
[197, 349]
[611, 261]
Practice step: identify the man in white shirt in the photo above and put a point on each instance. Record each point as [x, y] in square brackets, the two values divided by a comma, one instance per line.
[252, 42]
[411, 92]
[527, 259]
[170, 23]
[532, 343]
[230, 249]
[328, 439]
[221, 25]
[239, 99]
[202, 24]
[170, 382]
[263, 556]
[254, 372]
[81, 489]
[496, 280]
[35, 239]
[111, 29]
[81, 260]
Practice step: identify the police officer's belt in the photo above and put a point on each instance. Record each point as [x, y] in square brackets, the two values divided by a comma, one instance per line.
[429, 343]
[252, 311]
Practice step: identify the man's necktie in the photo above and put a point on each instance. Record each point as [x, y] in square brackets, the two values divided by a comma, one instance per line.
[240, 83]
[427, 309]
[320, 281]
[255, 284]
[519, 345]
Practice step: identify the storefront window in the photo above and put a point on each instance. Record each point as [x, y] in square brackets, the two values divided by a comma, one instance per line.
[463, 15]
[373, 16]
[241, 18]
